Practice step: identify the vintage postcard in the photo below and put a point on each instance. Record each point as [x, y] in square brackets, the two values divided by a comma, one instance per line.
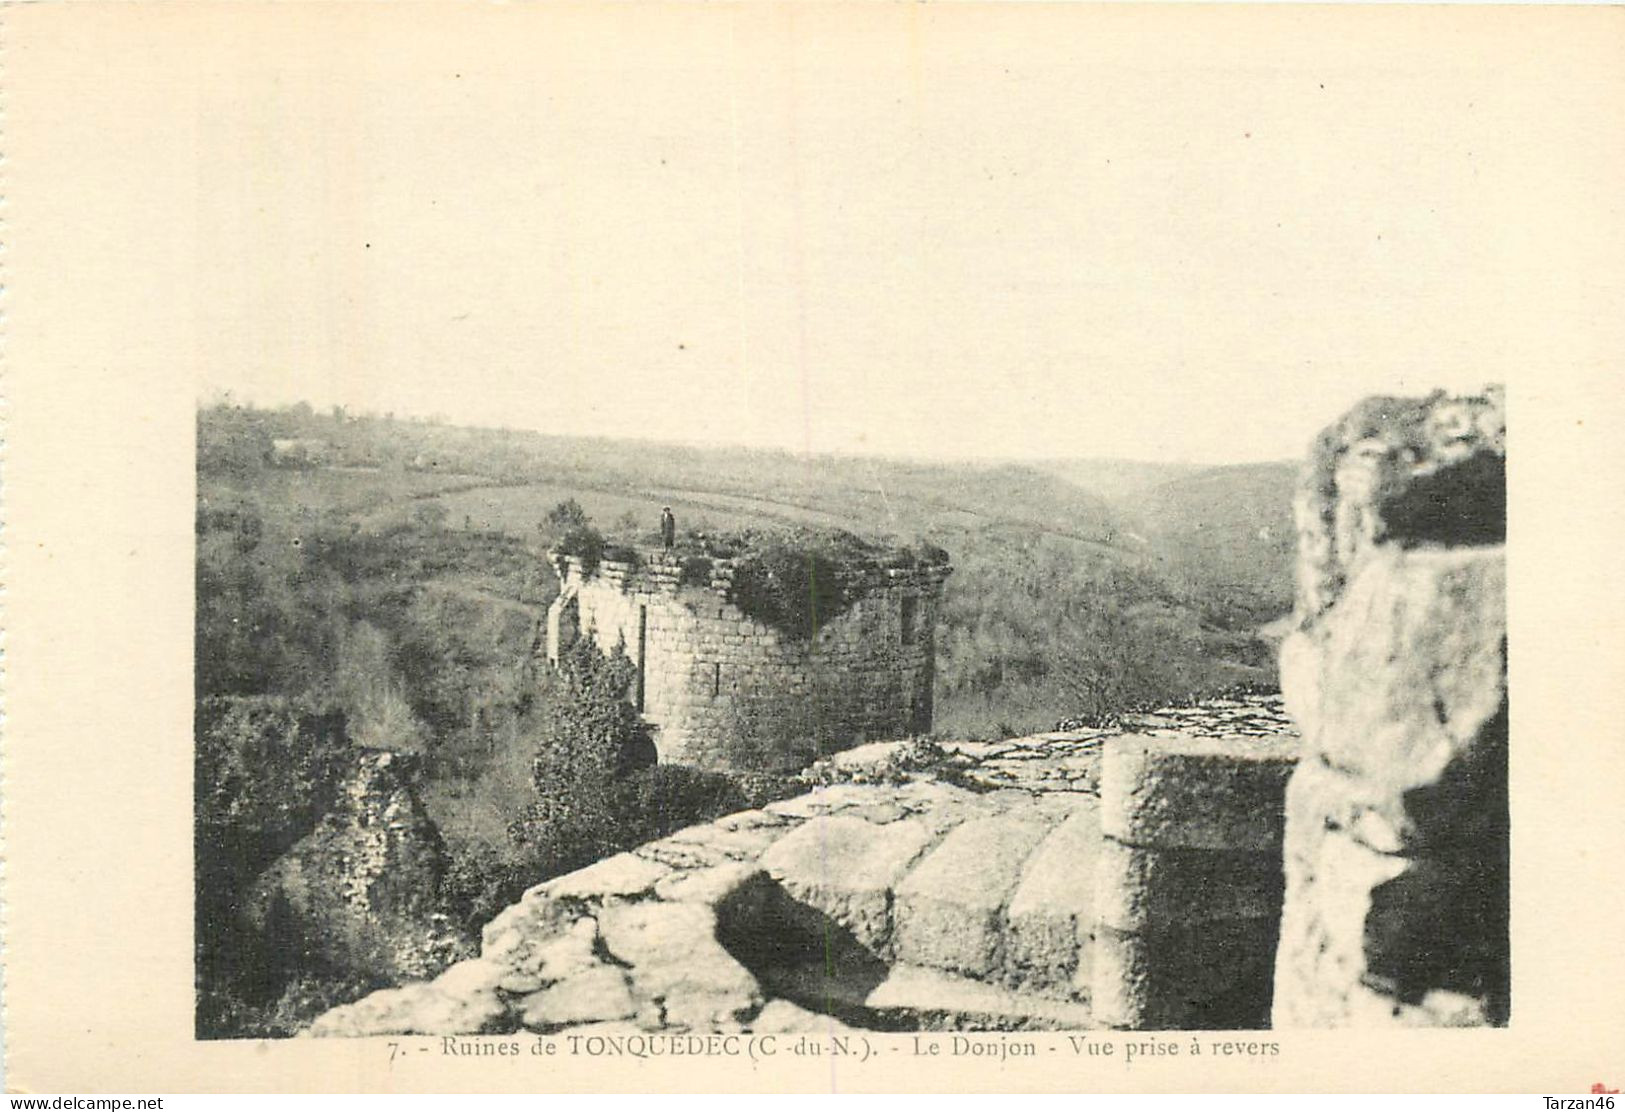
[812, 547]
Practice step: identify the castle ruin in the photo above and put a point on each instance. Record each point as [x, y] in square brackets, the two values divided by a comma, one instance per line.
[723, 689]
[1222, 867]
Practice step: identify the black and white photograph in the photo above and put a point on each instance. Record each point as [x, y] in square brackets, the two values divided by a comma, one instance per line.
[837, 538]
[895, 565]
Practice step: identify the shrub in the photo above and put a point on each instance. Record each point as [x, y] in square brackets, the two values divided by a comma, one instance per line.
[584, 543]
[266, 770]
[567, 515]
[598, 790]
[793, 589]
[659, 800]
[774, 732]
[696, 572]
[480, 881]
[590, 738]
[430, 515]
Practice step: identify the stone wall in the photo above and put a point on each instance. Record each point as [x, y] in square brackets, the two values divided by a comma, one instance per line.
[1397, 827]
[723, 690]
[961, 886]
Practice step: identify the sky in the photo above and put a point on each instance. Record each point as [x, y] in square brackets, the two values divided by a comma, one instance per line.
[898, 229]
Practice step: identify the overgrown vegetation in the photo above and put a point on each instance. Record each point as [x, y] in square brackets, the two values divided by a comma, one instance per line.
[266, 769]
[792, 589]
[795, 579]
[598, 788]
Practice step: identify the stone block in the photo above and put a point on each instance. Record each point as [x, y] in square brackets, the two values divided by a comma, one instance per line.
[676, 960]
[623, 875]
[1051, 914]
[1409, 925]
[846, 868]
[708, 886]
[597, 995]
[1141, 887]
[415, 1009]
[949, 912]
[1195, 792]
[943, 1000]
[780, 1017]
[1403, 686]
[1396, 844]
[472, 975]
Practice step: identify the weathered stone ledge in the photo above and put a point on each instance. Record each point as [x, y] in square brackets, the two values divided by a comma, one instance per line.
[946, 886]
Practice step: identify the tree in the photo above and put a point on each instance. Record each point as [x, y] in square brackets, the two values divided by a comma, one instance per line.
[590, 739]
[266, 769]
[567, 515]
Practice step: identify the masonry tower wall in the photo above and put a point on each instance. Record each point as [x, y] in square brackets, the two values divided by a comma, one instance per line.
[724, 690]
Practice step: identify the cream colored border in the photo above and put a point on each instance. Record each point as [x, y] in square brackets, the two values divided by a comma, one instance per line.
[101, 135]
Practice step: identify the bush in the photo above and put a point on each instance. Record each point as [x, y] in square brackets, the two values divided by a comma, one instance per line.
[584, 543]
[598, 789]
[567, 515]
[773, 732]
[696, 572]
[266, 770]
[590, 738]
[793, 589]
[480, 881]
[666, 798]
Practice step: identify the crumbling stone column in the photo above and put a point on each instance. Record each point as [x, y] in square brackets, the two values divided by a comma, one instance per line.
[1188, 884]
[1396, 834]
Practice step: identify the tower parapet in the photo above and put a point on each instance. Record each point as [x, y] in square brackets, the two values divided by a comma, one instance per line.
[732, 675]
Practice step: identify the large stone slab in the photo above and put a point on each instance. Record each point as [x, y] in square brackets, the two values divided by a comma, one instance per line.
[1396, 848]
[1051, 915]
[1403, 685]
[624, 875]
[846, 868]
[1195, 792]
[596, 995]
[949, 911]
[675, 960]
[1401, 925]
[415, 1009]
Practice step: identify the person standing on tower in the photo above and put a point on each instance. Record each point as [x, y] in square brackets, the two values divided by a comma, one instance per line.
[668, 527]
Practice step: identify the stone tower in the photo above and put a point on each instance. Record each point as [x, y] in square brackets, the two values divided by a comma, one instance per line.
[726, 690]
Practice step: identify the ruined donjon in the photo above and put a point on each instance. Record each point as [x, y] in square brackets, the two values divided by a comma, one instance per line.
[724, 689]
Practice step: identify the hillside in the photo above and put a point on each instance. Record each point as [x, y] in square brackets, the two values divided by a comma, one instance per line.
[1225, 536]
[1118, 481]
[1053, 577]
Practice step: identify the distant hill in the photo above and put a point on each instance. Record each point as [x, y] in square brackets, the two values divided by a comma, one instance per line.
[1226, 534]
[1117, 480]
[1080, 586]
